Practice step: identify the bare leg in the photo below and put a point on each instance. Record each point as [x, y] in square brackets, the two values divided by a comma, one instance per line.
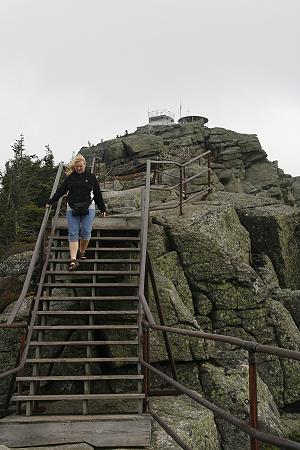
[73, 249]
[83, 245]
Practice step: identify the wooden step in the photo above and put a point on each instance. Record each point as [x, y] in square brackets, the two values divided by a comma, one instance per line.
[104, 238]
[98, 261]
[94, 299]
[98, 431]
[117, 430]
[92, 272]
[88, 313]
[129, 222]
[76, 285]
[102, 249]
[22, 398]
[85, 327]
[78, 343]
[131, 359]
[81, 377]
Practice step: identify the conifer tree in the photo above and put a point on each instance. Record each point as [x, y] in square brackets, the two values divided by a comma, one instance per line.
[25, 187]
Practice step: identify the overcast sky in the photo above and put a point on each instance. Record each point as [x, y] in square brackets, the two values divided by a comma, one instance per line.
[74, 71]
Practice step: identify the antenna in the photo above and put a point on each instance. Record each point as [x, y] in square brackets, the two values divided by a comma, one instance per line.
[180, 108]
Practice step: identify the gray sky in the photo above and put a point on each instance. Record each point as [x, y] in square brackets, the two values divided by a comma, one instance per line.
[74, 71]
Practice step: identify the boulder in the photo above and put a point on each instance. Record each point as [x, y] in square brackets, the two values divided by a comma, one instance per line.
[290, 299]
[192, 422]
[265, 175]
[295, 187]
[15, 264]
[157, 241]
[275, 231]
[220, 387]
[130, 199]
[229, 296]
[265, 269]
[9, 346]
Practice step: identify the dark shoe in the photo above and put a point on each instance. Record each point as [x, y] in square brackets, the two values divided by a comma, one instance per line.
[73, 265]
[81, 255]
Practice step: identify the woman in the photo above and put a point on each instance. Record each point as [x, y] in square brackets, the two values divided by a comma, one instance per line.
[79, 184]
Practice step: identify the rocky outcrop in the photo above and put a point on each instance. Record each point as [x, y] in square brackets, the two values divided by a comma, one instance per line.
[238, 162]
[228, 265]
[193, 423]
[229, 297]
[9, 345]
[220, 387]
[15, 264]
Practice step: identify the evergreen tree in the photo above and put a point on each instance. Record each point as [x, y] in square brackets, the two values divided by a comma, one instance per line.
[25, 187]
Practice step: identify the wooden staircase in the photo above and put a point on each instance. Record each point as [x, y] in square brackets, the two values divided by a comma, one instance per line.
[82, 370]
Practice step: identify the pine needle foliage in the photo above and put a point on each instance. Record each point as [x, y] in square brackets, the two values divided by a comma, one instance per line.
[25, 187]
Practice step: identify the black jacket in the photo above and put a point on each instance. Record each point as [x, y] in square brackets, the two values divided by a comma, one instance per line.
[79, 187]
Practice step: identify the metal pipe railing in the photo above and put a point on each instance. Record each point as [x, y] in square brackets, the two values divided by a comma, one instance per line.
[145, 202]
[182, 177]
[252, 348]
[36, 303]
[247, 345]
[161, 316]
[243, 426]
[196, 158]
[163, 423]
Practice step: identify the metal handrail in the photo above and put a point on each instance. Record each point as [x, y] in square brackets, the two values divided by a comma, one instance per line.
[196, 158]
[182, 180]
[35, 254]
[145, 209]
[252, 347]
[247, 345]
[36, 302]
[145, 194]
[10, 322]
[248, 429]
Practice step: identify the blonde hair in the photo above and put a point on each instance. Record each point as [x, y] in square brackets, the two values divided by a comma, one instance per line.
[70, 167]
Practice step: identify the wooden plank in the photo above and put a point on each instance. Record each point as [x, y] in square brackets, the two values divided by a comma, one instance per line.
[112, 432]
[64, 343]
[85, 327]
[19, 398]
[96, 298]
[75, 285]
[103, 260]
[80, 377]
[90, 313]
[92, 272]
[81, 360]
[104, 238]
[102, 249]
[16, 418]
[109, 222]
[99, 238]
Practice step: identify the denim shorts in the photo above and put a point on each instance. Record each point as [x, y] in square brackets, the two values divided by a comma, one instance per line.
[80, 226]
